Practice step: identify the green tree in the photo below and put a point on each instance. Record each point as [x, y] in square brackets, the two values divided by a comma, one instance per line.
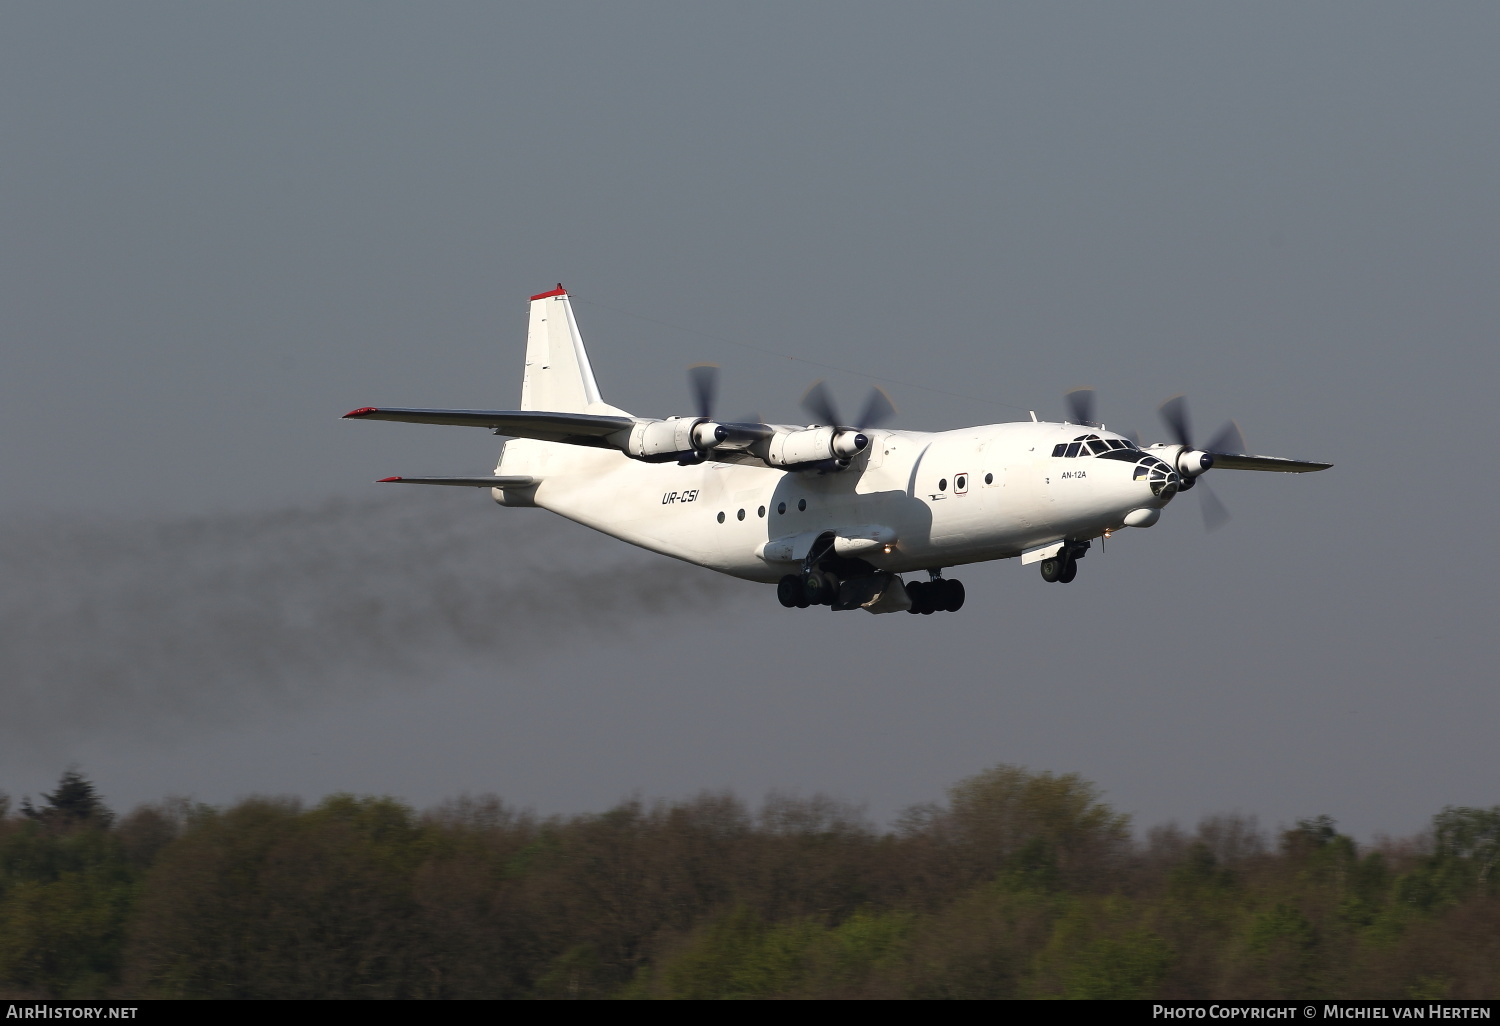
[267, 900]
[75, 801]
[66, 894]
[1469, 835]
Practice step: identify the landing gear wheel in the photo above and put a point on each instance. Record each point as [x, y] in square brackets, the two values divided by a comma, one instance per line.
[1052, 570]
[1069, 571]
[812, 588]
[914, 593]
[789, 591]
[954, 595]
[822, 589]
[940, 594]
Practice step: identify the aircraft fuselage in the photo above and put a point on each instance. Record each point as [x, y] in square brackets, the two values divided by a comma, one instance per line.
[945, 499]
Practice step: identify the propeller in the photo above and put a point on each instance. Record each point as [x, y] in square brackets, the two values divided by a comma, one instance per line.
[878, 408]
[703, 379]
[1081, 406]
[1227, 440]
[818, 401]
[1175, 415]
[1215, 513]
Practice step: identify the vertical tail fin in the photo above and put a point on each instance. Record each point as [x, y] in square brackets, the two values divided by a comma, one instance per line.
[558, 375]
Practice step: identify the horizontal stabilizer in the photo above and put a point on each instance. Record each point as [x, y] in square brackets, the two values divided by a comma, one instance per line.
[515, 481]
[573, 428]
[1233, 461]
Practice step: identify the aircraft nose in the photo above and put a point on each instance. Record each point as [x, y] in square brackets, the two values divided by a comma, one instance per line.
[1163, 481]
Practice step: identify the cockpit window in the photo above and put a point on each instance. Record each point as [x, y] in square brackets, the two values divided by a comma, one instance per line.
[1092, 445]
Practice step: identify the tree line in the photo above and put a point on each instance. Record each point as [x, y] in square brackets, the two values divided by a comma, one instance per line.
[1019, 884]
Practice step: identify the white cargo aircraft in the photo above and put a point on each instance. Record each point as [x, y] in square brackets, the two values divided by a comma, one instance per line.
[832, 512]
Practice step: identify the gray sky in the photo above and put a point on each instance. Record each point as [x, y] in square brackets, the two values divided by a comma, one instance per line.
[224, 226]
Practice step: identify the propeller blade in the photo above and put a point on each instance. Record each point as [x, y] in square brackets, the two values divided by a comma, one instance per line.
[1134, 436]
[1228, 439]
[1174, 414]
[1215, 513]
[1081, 406]
[878, 409]
[703, 378]
[818, 401]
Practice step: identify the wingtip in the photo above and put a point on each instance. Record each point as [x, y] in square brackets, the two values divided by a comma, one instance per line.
[387, 480]
[363, 411]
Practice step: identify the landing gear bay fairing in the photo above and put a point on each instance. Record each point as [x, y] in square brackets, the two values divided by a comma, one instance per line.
[845, 514]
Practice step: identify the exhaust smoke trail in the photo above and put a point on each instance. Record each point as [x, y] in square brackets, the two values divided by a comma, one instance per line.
[151, 628]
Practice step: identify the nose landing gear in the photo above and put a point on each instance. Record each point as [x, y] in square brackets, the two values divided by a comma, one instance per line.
[1063, 567]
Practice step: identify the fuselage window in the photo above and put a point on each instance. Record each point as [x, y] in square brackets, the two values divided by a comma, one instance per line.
[761, 512]
[1099, 445]
[990, 478]
[781, 507]
[1059, 448]
[801, 505]
[721, 518]
[740, 515]
[961, 483]
[1073, 448]
[942, 484]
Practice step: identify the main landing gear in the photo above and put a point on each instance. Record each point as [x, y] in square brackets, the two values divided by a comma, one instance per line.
[1063, 567]
[811, 589]
[935, 596]
[824, 588]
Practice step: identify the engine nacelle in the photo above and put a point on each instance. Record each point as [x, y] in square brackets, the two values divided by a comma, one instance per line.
[848, 444]
[659, 441]
[1188, 463]
[1192, 462]
[821, 448]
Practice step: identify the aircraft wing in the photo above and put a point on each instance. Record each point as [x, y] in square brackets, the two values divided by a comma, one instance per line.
[514, 481]
[573, 428]
[1236, 461]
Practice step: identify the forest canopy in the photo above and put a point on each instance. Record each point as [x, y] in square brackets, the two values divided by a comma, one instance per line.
[1018, 884]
